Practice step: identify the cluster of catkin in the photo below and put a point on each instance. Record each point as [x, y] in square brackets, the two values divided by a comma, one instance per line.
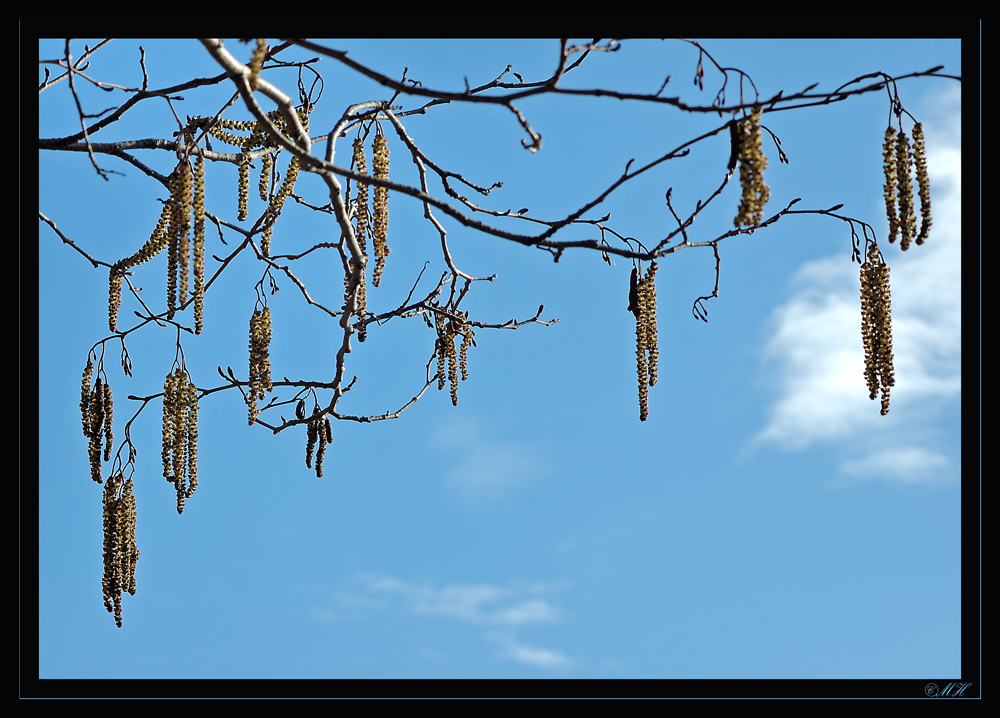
[752, 164]
[181, 230]
[186, 201]
[642, 303]
[120, 551]
[899, 204]
[256, 139]
[375, 223]
[180, 434]
[452, 363]
[260, 360]
[876, 326]
[318, 431]
[97, 410]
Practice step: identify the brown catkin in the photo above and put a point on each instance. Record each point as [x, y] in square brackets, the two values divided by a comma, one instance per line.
[114, 295]
[646, 348]
[130, 554]
[755, 192]
[173, 232]
[321, 451]
[312, 436]
[111, 581]
[441, 351]
[876, 326]
[121, 554]
[907, 219]
[88, 374]
[109, 411]
[889, 169]
[463, 352]
[97, 418]
[923, 182]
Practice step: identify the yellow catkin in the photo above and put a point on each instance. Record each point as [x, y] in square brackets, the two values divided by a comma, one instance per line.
[183, 230]
[361, 234]
[755, 192]
[180, 434]
[244, 190]
[923, 182]
[156, 243]
[274, 208]
[260, 361]
[192, 438]
[179, 449]
[265, 177]
[170, 408]
[199, 245]
[361, 204]
[463, 355]
[642, 370]
[876, 327]
[649, 318]
[256, 61]
[380, 210]
[452, 363]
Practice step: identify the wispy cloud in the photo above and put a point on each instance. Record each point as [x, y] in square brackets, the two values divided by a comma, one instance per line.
[901, 465]
[503, 611]
[486, 468]
[470, 603]
[529, 655]
[815, 345]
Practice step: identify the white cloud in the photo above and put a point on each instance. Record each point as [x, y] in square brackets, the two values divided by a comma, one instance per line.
[902, 465]
[504, 609]
[537, 657]
[470, 603]
[486, 469]
[815, 346]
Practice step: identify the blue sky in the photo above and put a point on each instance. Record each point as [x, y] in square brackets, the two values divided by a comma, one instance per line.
[765, 522]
